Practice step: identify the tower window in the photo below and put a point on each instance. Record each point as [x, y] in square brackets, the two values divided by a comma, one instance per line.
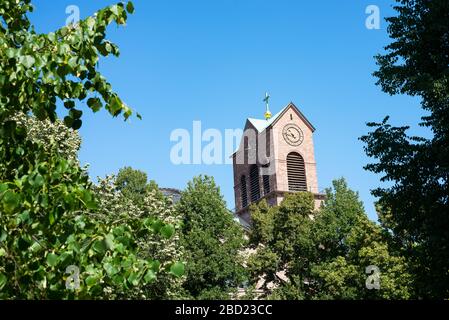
[254, 183]
[291, 116]
[296, 172]
[243, 192]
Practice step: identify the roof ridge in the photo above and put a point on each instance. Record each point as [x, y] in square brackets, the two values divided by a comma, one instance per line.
[266, 123]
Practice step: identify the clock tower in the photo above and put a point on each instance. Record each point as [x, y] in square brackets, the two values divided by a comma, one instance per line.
[275, 157]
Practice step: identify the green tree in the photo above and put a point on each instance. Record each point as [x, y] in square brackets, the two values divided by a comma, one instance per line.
[161, 244]
[212, 241]
[302, 254]
[134, 184]
[415, 206]
[44, 194]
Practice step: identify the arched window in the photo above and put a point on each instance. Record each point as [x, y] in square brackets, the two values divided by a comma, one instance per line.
[254, 183]
[244, 193]
[296, 172]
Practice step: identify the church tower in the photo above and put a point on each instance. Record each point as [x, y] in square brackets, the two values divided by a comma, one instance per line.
[275, 157]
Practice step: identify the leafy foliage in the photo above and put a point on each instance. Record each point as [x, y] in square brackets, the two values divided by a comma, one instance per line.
[134, 184]
[303, 254]
[44, 194]
[49, 134]
[415, 206]
[212, 241]
[159, 243]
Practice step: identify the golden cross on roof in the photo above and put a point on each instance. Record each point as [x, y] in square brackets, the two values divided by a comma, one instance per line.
[267, 111]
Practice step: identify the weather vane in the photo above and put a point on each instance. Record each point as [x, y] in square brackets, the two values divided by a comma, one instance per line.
[267, 111]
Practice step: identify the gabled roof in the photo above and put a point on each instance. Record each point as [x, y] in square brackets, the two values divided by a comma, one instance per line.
[261, 124]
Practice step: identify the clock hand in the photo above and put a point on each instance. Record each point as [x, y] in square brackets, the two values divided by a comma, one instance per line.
[291, 134]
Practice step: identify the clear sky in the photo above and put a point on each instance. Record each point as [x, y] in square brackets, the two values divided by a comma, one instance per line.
[212, 61]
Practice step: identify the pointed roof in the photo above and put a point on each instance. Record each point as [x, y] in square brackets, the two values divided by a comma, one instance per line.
[261, 124]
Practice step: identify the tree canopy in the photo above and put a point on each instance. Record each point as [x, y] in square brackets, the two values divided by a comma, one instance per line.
[302, 254]
[51, 243]
[415, 205]
[212, 241]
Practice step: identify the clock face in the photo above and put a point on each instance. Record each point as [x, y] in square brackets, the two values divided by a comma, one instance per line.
[293, 134]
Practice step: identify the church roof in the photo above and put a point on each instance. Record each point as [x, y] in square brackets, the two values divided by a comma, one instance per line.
[261, 124]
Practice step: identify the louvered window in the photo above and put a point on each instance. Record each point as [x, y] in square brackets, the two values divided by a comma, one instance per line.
[243, 191]
[254, 183]
[296, 172]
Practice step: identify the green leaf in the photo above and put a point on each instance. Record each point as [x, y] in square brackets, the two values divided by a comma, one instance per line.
[73, 62]
[3, 187]
[110, 269]
[118, 279]
[68, 121]
[75, 114]
[63, 49]
[94, 103]
[99, 246]
[52, 259]
[25, 216]
[115, 105]
[177, 269]
[155, 265]
[91, 281]
[35, 247]
[77, 123]
[11, 200]
[109, 241]
[20, 151]
[130, 7]
[127, 112]
[27, 61]
[10, 53]
[157, 225]
[133, 278]
[3, 235]
[38, 181]
[69, 104]
[86, 195]
[167, 231]
[149, 276]
[66, 258]
[51, 218]
[51, 36]
[115, 9]
[92, 205]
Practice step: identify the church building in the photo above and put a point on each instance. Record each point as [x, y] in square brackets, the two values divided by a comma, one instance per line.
[275, 157]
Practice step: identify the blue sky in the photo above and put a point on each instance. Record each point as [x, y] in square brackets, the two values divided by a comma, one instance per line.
[212, 61]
